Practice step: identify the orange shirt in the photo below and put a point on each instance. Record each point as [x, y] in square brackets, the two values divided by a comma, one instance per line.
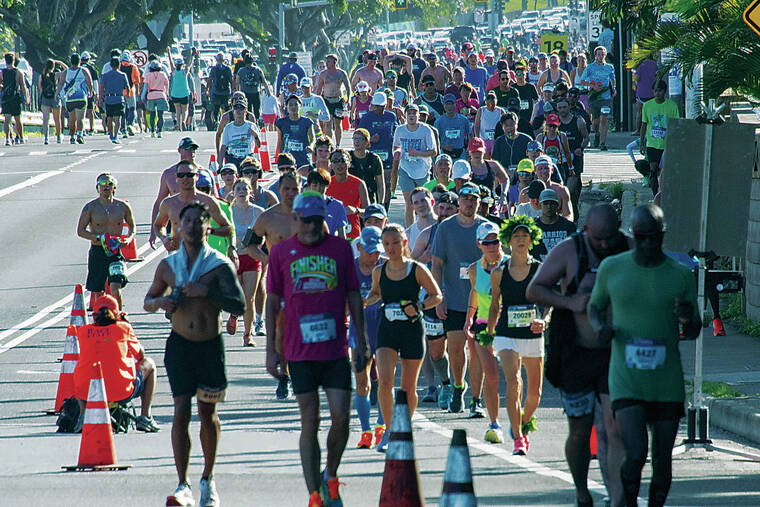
[117, 349]
[347, 192]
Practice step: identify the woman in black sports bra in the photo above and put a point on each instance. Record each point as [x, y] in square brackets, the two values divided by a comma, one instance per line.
[397, 284]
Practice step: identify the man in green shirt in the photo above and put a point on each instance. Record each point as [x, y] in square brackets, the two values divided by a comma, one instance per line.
[654, 127]
[651, 297]
[442, 173]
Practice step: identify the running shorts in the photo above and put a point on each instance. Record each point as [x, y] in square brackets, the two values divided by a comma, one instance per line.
[102, 267]
[73, 105]
[307, 376]
[454, 321]
[336, 106]
[405, 337]
[114, 110]
[192, 365]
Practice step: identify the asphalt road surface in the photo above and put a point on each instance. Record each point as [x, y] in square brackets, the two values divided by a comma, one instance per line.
[41, 259]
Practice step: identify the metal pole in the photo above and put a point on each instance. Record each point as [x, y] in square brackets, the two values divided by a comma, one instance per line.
[190, 29]
[387, 20]
[621, 67]
[281, 25]
[702, 275]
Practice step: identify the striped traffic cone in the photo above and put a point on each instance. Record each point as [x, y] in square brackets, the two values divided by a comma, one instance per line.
[401, 479]
[78, 313]
[266, 164]
[68, 364]
[96, 449]
[457, 480]
[129, 250]
[213, 167]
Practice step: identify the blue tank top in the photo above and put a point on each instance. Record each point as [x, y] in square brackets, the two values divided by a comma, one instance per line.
[294, 137]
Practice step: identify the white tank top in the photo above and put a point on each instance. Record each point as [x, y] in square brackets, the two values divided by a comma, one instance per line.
[577, 80]
[488, 121]
[240, 227]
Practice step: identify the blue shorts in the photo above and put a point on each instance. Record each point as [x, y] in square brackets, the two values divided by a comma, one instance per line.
[406, 183]
[139, 387]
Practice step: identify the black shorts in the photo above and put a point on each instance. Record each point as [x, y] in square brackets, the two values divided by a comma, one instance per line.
[90, 103]
[11, 107]
[233, 160]
[254, 103]
[653, 410]
[434, 328]
[190, 365]
[307, 376]
[114, 110]
[72, 105]
[405, 337]
[222, 101]
[654, 155]
[180, 100]
[454, 321]
[336, 109]
[578, 165]
[586, 370]
[102, 267]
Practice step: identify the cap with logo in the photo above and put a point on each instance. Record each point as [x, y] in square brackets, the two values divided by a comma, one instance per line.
[469, 189]
[552, 119]
[187, 143]
[525, 166]
[485, 194]
[476, 144]
[548, 195]
[106, 301]
[310, 204]
[534, 146]
[305, 82]
[379, 99]
[485, 229]
[461, 170]
[371, 239]
[443, 156]
[375, 210]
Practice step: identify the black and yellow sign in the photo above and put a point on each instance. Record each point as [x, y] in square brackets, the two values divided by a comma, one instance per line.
[554, 41]
[751, 16]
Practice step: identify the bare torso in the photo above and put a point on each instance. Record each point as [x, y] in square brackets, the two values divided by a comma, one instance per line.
[105, 218]
[332, 82]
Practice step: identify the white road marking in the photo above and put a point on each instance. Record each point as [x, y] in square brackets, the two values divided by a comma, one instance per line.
[168, 151]
[42, 177]
[81, 152]
[37, 153]
[2, 153]
[36, 372]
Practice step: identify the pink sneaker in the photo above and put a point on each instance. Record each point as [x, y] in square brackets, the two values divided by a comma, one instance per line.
[521, 447]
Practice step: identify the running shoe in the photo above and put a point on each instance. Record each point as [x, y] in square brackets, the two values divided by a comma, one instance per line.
[7, 142]
[130, 130]
[232, 324]
[115, 140]
[182, 496]
[146, 424]
[248, 340]
[46, 141]
[457, 399]
[315, 500]
[58, 139]
[333, 494]
[258, 328]
[159, 135]
[72, 140]
[494, 433]
[520, 448]
[718, 327]
[283, 389]
[153, 135]
[209, 496]
[80, 139]
[366, 441]
[431, 396]
[646, 182]
[383, 445]
[445, 397]
[379, 432]
[475, 412]
[530, 426]
[603, 147]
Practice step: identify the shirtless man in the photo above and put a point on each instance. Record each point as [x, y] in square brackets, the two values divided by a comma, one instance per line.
[440, 73]
[194, 356]
[101, 223]
[329, 87]
[170, 208]
[273, 226]
[543, 170]
[584, 372]
[168, 184]
[370, 74]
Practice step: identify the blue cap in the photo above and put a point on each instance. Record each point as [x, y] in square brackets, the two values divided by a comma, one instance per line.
[449, 97]
[310, 204]
[534, 146]
[203, 180]
[375, 210]
[371, 239]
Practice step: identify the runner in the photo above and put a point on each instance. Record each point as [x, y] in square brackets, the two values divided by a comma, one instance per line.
[554, 227]
[511, 147]
[397, 285]
[488, 173]
[228, 117]
[485, 122]
[442, 173]
[600, 76]
[179, 92]
[294, 132]
[367, 166]
[314, 107]
[313, 274]
[194, 356]
[531, 208]
[543, 170]
[653, 299]
[240, 137]
[90, 112]
[654, 128]
[250, 79]
[582, 374]
[454, 249]
[133, 76]
[49, 101]
[349, 190]
[113, 84]
[476, 75]
[422, 202]
[75, 87]
[370, 74]
[155, 94]
[440, 74]
[329, 87]
[534, 74]
[290, 67]
[101, 222]
[574, 128]
[320, 155]
[454, 127]
[556, 146]
[554, 74]
[430, 98]
[523, 177]
[527, 91]
[219, 87]
[361, 102]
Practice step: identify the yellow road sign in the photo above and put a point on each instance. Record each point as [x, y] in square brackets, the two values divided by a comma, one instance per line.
[554, 41]
[752, 16]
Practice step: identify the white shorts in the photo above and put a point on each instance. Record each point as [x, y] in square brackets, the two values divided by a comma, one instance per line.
[525, 347]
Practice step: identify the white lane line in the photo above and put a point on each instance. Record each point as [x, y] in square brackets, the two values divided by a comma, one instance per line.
[42, 177]
[127, 151]
[2, 153]
[81, 152]
[167, 151]
[37, 153]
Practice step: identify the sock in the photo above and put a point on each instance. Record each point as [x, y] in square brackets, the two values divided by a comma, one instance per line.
[380, 420]
[326, 477]
[258, 317]
[361, 404]
[441, 367]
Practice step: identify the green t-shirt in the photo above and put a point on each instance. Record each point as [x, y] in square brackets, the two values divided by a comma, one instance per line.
[430, 185]
[645, 363]
[219, 243]
[656, 117]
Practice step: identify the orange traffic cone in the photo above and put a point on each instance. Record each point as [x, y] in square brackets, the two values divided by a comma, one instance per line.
[345, 124]
[96, 449]
[593, 444]
[129, 250]
[266, 164]
[78, 313]
[458, 490]
[401, 479]
[68, 364]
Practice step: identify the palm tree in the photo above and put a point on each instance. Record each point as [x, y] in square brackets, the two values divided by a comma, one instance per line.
[713, 33]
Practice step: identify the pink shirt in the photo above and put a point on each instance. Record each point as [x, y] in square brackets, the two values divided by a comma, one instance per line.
[313, 281]
[158, 85]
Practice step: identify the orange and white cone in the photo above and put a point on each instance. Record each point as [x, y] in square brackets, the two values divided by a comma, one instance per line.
[458, 490]
[593, 443]
[78, 313]
[68, 365]
[401, 479]
[266, 163]
[129, 250]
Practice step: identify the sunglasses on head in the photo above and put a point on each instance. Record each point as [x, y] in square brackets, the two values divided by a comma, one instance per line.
[490, 242]
[312, 220]
[186, 175]
[249, 170]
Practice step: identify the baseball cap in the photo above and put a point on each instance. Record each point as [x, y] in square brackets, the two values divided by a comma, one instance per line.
[449, 97]
[106, 301]
[443, 156]
[228, 167]
[85, 55]
[469, 189]
[412, 107]
[431, 56]
[306, 81]
[187, 143]
[548, 195]
[548, 87]
[485, 229]
[485, 194]
[461, 170]
[543, 159]
[411, 47]
[535, 188]
[467, 45]
[240, 101]
[179, 61]
[525, 166]
[490, 53]
[534, 146]
[391, 74]
[126, 56]
[371, 239]
[476, 144]
[375, 210]
[372, 56]
[552, 119]
[428, 79]
[574, 91]
[203, 180]
[448, 198]
[423, 108]
[361, 86]
[290, 79]
[379, 99]
[310, 204]
[293, 55]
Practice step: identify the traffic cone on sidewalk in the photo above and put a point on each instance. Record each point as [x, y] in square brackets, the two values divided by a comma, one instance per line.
[78, 313]
[214, 170]
[96, 449]
[68, 364]
[266, 164]
[458, 490]
[401, 479]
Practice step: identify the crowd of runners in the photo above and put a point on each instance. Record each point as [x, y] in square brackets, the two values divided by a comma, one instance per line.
[487, 267]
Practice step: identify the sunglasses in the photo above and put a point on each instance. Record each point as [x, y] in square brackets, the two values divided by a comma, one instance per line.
[490, 242]
[429, 84]
[105, 183]
[187, 175]
[249, 171]
[283, 168]
[312, 220]
[339, 161]
[524, 174]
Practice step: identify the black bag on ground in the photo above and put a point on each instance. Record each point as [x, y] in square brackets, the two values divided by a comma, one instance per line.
[69, 416]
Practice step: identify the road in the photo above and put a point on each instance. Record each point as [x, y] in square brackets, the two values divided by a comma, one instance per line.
[258, 462]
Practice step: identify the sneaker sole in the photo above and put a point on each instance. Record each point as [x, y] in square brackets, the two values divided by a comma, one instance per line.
[173, 502]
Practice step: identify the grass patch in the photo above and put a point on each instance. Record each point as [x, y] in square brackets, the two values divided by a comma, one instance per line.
[614, 189]
[715, 389]
[749, 327]
[734, 306]
[733, 312]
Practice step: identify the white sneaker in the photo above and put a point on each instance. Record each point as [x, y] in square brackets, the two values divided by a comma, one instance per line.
[258, 328]
[209, 496]
[182, 496]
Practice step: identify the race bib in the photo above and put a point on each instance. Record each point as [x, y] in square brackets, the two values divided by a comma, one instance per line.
[452, 134]
[433, 327]
[645, 354]
[524, 104]
[520, 315]
[382, 154]
[488, 135]
[339, 113]
[394, 312]
[658, 132]
[463, 271]
[116, 268]
[295, 146]
[361, 114]
[605, 110]
[317, 328]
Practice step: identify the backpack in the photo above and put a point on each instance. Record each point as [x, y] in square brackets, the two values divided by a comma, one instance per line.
[126, 68]
[222, 79]
[10, 86]
[69, 416]
[249, 79]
